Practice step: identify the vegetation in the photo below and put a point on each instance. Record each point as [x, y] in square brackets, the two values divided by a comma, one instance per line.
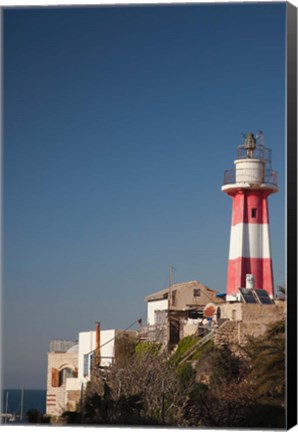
[124, 348]
[35, 416]
[214, 388]
[183, 346]
[267, 362]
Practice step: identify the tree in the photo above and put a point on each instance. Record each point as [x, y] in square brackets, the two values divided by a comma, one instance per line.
[224, 405]
[266, 357]
[227, 395]
[225, 367]
[125, 345]
[105, 408]
[148, 376]
[35, 416]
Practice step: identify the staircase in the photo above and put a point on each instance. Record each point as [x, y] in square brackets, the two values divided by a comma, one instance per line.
[196, 346]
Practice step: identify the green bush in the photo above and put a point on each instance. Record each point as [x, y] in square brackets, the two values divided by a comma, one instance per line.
[183, 345]
[143, 348]
[186, 375]
[204, 349]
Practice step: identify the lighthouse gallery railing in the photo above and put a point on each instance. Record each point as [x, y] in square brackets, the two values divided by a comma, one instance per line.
[269, 177]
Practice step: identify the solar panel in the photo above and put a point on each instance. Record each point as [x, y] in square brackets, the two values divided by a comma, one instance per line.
[247, 295]
[263, 296]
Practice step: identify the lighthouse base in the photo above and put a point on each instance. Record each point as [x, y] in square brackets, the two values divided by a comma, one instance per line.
[232, 298]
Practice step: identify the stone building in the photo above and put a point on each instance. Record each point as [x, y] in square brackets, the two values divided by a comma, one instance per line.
[175, 312]
[241, 320]
[62, 367]
[70, 366]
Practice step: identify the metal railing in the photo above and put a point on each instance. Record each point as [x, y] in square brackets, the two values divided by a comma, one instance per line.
[197, 345]
[269, 177]
[154, 333]
[260, 152]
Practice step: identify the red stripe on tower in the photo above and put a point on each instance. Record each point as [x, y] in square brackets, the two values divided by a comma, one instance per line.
[249, 185]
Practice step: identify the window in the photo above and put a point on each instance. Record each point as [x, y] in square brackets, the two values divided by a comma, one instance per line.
[55, 377]
[64, 374]
[197, 292]
[174, 298]
[254, 213]
[193, 314]
[88, 359]
[59, 377]
[160, 317]
[86, 365]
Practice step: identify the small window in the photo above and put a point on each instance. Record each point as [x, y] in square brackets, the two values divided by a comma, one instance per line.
[197, 292]
[86, 364]
[174, 298]
[253, 212]
[195, 314]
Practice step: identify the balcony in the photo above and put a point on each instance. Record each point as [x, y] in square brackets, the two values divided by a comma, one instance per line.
[154, 333]
[260, 152]
[249, 176]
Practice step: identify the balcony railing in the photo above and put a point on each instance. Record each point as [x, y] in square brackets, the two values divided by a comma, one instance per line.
[245, 176]
[154, 333]
[260, 152]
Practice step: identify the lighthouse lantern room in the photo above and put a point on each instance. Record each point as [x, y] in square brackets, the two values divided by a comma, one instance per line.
[249, 184]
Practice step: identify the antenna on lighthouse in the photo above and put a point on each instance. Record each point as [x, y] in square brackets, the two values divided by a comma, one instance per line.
[260, 137]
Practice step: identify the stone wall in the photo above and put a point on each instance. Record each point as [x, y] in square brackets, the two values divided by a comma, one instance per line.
[244, 320]
[227, 334]
[56, 395]
[73, 400]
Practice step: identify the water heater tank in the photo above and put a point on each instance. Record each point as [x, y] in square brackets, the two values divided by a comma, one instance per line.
[250, 281]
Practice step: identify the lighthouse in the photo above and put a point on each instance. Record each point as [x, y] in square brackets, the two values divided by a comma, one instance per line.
[249, 184]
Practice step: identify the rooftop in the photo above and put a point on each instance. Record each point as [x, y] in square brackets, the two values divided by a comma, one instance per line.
[163, 294]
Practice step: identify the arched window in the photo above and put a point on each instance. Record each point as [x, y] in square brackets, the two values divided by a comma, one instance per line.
[59, 376]
[64, 374]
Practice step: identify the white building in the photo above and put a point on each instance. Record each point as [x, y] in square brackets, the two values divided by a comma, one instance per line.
[70, 367]
[87, 348]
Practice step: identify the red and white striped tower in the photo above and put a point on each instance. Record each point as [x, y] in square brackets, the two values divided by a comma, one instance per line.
[249, 185]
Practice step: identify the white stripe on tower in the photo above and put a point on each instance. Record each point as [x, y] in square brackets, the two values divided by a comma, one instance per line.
[249, 240]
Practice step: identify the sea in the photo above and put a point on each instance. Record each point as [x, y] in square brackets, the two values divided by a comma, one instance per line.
[32, 399]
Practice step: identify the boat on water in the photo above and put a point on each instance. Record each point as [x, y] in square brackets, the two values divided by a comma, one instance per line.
[15, 416]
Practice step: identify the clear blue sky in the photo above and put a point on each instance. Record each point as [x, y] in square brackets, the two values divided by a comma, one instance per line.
[118, 125]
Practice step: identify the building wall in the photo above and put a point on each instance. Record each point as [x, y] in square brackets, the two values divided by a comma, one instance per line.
[87, 344]
[186, 297]
[107, 352]
[246, 320]
[252, 312]
[153, 306]
[56, 396]
[189, 329]
[73, 400]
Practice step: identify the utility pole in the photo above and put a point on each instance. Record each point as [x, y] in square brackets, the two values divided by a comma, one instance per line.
[97, 344]
[170, 287]
[170, 303]
[6, 407]
[22, 403]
